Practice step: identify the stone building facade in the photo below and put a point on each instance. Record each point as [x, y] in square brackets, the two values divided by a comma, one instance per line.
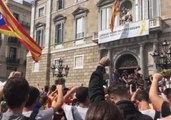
[128, 52]
[78, 32]
[64, 29]
[12, 53]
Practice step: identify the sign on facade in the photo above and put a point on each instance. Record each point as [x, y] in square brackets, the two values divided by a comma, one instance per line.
[130, 30]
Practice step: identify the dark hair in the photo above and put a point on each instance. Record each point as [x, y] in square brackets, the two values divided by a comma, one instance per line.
[53, 88]
[103, 111]
[118, 90]
[43, 98]
[33, 96]
[65, 90]
[167, 92]
[16, 91]
[142, 95]
[82, 94]
[46, 88]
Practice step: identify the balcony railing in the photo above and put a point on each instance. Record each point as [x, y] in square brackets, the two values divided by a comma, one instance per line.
[155, 24]
[12, 61]
[25, 24]
[13, 40]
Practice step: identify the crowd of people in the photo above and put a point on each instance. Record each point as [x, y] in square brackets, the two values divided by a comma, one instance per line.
[127, 98]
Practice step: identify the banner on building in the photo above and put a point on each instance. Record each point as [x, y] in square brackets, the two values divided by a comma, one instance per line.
[130, 30]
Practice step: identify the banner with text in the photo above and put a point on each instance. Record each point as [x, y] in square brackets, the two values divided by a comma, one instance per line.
[130, 30]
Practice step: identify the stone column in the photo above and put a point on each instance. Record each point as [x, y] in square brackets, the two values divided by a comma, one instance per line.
[154, 65]
[48, 40]
[33, 17]
[32, 24]
[3, 50]
[142, 62]
[48, 24]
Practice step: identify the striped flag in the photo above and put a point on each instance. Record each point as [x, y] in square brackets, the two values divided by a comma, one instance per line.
[11, 27]
[115, 11]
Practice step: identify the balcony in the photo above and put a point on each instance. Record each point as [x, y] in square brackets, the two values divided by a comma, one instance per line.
[25, 24]
[13, 40]
[13, 61]
[155, 24]
[129, 30]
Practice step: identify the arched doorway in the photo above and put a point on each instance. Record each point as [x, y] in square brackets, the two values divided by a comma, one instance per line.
[127, 62]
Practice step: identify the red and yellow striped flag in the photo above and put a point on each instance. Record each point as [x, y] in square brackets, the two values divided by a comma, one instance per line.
[10, 26]
[115, 11]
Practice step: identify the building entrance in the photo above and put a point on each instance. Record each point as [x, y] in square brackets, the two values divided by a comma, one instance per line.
[127, 62]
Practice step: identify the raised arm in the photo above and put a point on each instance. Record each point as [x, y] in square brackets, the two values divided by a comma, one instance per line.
[60, 98]
[96, 90]
[156, 100]
[70, 92]
[1, 92]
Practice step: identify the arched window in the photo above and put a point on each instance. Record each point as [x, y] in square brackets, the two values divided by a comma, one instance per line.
[127, 61]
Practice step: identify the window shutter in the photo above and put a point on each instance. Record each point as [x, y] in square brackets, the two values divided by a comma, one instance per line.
[156, 8]
[62, 33]
[41, 38]
[103, 16]
[109, 12]
[56, 32]
[145, 9]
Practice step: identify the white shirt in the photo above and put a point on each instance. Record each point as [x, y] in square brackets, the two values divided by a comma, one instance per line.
[149, 112]
[68, 112]
[42, 114]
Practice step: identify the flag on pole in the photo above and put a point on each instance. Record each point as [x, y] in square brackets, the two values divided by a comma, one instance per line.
[115, 11]
[11, 27]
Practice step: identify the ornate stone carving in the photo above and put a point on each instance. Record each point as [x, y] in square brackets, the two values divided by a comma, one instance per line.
[127, 61]
[126, 12]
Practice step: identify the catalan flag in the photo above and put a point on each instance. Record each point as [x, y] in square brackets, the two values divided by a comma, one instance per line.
[115, 11]
[10, 26]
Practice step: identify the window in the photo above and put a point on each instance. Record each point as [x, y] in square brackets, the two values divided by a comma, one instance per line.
[60, 4]
[154, 9]
[78, 61]
[16, 15]
[13, 53]
[41, 12]
[59, 33]
[105, 17]
[80, 30]
[39, 37]
[80, 15]
[35, 67]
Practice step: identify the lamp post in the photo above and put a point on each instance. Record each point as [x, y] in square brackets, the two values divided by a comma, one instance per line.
[162, 58]
[57, 71]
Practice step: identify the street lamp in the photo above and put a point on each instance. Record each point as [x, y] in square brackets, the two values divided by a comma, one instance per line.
[57, 71]
[162, 58]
